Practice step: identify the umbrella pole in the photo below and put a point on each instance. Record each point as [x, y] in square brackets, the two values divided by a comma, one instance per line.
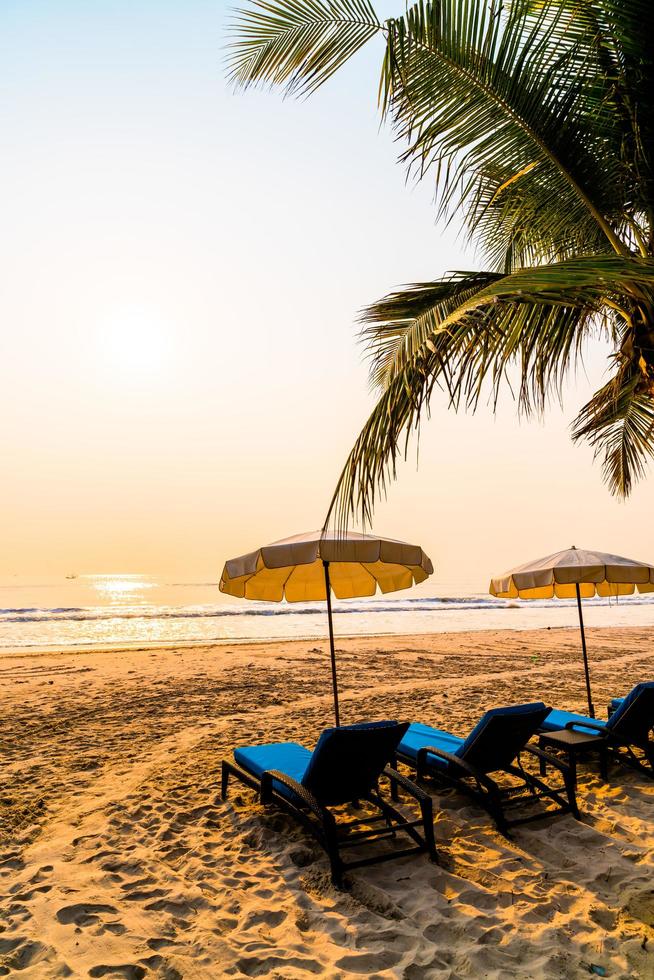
[591, 709]
[325, 565]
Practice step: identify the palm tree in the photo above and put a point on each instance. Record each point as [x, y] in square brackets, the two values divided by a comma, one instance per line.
[535, 119]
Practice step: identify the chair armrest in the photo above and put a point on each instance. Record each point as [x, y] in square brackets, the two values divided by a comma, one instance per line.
[551, 760]
[447, 756]
[480, 777]
[593, 725]
[399, 780]
[300, 791]
[614, 739]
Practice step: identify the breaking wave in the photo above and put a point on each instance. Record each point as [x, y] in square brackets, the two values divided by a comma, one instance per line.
[370, 607]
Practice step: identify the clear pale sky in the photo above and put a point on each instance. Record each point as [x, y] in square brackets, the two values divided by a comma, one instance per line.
[181, 271]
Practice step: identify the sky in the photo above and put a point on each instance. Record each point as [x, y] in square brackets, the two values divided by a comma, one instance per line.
[182, 269]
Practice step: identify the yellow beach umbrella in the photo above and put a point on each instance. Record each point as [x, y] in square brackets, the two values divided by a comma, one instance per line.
[309, 567]
[575, 573]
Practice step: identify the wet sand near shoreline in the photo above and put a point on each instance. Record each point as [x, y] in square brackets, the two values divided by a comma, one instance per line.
[118, 858]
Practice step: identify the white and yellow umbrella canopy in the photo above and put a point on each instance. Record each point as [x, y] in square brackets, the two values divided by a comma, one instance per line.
[575, 574]
[293, 568]
[559, 575]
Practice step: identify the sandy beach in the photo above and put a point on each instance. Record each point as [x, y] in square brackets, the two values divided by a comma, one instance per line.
[118, 858]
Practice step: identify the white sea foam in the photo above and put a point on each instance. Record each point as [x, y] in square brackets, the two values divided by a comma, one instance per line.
[106, 610]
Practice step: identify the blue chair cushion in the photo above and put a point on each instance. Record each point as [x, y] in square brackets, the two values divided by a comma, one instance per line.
[616, 702]
[345, 764]
[288, 757]
[420, 736]
[635, 693]
[501, 734]
[556, 720]
[492, 744]
[633, 720]
[347, 761]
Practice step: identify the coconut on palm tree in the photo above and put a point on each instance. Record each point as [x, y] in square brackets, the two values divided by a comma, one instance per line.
[535, 118]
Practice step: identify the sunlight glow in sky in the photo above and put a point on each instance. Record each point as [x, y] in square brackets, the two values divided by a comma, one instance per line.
[133, 344]
[180, 378]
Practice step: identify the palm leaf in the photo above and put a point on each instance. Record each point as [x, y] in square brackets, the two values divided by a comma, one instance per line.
[533, 321]
[536, 118]
[483, 99]
[297, 43]
[619, 423]
[399, 324]
[617, 33]
[402, 326]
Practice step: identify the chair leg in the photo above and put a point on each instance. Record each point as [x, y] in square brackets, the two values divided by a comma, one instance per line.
[389, 823]
[427, 812]
[496, 810]
[572, 763]
[335, 863]
[337, 875]
[631, 759]
[570, 791]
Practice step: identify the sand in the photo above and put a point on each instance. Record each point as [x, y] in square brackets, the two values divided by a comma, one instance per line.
[118, 858]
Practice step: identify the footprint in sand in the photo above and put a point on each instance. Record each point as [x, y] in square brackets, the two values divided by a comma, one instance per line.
[641, 907]
[115, 928]
[164, 971]
[124, 971]
[11, 862]
[266, 918]
[173, 908]
[21, 954]
[9, 945]
[41, 873]
[158, 943]
[25, 896]
[438, 964]
[83, 914]
[368, 962]
[256, 966]
[143, 895]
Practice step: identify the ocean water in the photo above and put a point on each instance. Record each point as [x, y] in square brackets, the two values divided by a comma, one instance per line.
[138, 610]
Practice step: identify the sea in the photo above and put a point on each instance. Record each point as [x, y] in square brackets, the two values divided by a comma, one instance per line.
[131, 610]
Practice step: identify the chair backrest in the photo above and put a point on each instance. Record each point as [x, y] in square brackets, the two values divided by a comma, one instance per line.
[347, 761]
[500, 735]
[633, 720]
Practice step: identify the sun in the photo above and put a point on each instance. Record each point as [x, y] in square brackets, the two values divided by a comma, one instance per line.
[135, 343]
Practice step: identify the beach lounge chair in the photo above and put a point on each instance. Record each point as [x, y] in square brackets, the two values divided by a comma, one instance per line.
[614, 704]
[494, 746]
[344, 769]
[627, 734]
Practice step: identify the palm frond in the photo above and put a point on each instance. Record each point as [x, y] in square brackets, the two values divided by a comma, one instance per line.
[536, 119]
[480, 348]
[533, 321]
[618, 422]
[399, 324]
[482, 98]
[406, 324]
[617, 35]
[297, 43]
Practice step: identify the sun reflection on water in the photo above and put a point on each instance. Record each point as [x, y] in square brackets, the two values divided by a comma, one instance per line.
[121, 589]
